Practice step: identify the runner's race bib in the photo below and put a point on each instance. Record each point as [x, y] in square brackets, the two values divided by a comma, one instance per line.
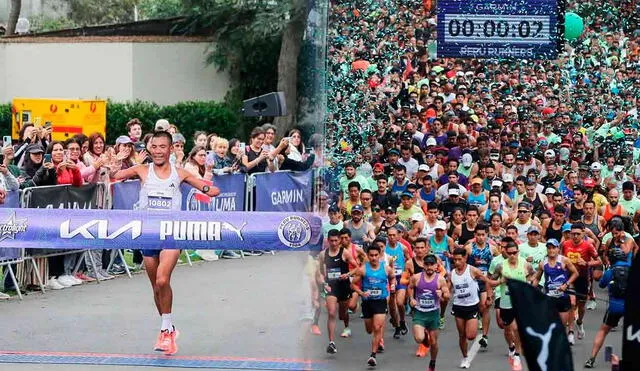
[574, 257]
[553, 290]
[374, 293]
[426, 303]
[334, 273]
[463, 292]
[398, 271]
[160, 200]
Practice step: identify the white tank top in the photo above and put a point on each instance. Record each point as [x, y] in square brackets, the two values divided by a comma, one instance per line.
[427, 230]
[465, 288]
[522, 229]
[161, 194]
[434, 172]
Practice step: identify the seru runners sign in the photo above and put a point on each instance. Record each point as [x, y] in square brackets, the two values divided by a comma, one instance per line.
[499, 29]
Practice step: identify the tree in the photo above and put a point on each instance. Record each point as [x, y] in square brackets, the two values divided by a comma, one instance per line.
[288, 63]
[14, 14]
[257, 41]
[98, 12]
[153, 9]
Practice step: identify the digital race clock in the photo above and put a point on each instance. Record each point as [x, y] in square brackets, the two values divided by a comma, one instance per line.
[499, 29]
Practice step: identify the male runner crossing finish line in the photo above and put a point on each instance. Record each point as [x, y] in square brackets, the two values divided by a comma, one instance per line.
[160, 190]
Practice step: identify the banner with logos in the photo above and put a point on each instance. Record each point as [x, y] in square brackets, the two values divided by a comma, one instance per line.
[62, 197]
[284, 191]
[231, 197]
[11, 200]
[118, 229]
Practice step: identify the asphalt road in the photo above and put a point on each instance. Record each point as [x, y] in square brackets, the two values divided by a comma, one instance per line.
[229, 308]
[400, 354]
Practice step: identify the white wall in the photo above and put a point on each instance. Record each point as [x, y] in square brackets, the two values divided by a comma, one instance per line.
[162, 72]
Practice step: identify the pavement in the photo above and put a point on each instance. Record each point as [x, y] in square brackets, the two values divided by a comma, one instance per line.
[251, 309]
[247, 309]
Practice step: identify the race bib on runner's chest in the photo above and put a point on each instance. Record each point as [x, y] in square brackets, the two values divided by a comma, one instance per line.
[160, 200]
[334, 273]
[374, 293]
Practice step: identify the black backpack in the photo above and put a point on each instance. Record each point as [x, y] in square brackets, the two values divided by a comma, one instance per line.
[618, 286]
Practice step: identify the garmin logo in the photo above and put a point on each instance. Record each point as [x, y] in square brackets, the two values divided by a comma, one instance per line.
[287, 197]
[101, 230]
[197, 231]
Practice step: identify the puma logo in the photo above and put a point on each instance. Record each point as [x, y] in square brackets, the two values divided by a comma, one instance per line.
[543, 355]
[231, 228]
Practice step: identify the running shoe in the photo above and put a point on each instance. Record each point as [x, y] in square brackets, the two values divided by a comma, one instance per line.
[580, 328]
[591, 363]
[431, 368]
[517, 364]
[442, 323]
[172, 346]
[484, 342]
[4, 296]
[346, 333]
[160, 342]
[571, 338]
[422, 351]
[316, 330]
[512, 353]
[465, 363]
[372, 361]
[396, 334]
[84, 277]
[592, 304]
[381, 346]
[331, 349]
[403, 328]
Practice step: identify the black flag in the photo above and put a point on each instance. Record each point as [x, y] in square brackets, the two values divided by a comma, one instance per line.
[631, 334]
[542, 333]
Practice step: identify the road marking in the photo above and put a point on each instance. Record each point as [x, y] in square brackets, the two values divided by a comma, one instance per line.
[140, 360]
[474, 349]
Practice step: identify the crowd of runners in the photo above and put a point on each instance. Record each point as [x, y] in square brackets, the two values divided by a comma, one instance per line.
[450, 176]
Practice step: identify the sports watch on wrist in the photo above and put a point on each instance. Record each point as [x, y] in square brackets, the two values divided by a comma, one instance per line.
[205, 189]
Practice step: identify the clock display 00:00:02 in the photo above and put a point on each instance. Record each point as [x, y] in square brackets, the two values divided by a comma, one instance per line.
[489, 28]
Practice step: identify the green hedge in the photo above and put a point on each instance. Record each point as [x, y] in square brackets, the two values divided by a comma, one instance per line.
[221, 118]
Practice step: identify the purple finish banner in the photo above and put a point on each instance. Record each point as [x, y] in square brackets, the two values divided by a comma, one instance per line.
[132, 229]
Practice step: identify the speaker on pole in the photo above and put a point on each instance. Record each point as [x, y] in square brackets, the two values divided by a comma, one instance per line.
[268, 105]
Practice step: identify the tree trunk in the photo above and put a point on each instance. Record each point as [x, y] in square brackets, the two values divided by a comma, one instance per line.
[14, 14]
[288, 64]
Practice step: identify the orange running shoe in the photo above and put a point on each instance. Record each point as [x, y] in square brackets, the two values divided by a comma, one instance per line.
[422, 351]
[159, 347]
[172, 346]
[316, 330]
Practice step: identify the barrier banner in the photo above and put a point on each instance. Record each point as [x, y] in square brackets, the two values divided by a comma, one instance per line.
[12, 199]
[125, 194]
[231, 197]
[137, 229]
[63, 197]
[284, 191]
